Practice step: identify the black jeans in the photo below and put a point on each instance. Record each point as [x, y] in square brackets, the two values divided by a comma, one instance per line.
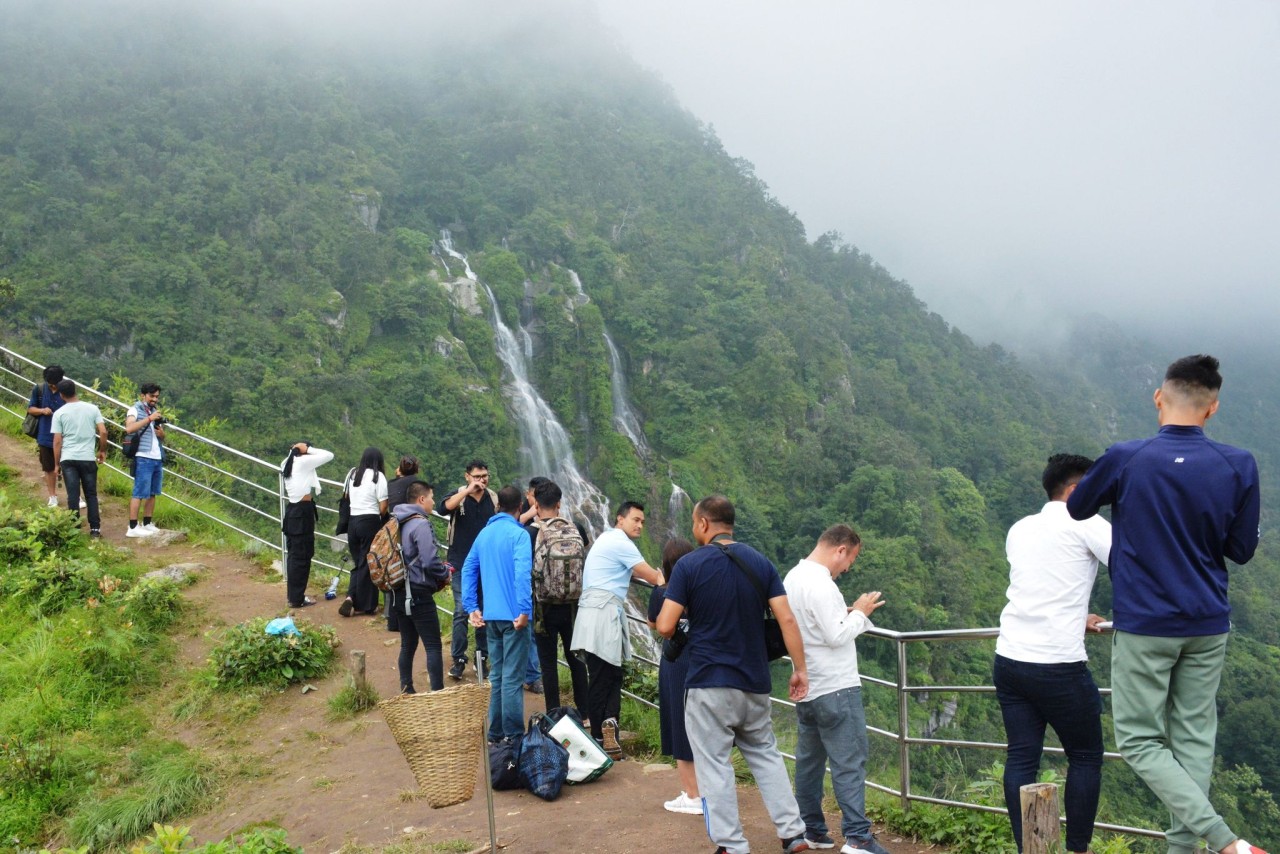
[557, 622]
[423, 623]
[604, 692]
[77, 475]
[299, 528]
[1064, 697]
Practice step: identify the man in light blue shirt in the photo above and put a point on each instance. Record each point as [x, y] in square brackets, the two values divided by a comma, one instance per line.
[79, 446]
[600, 631]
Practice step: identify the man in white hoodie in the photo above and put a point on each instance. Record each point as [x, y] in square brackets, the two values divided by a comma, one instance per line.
[832, 726]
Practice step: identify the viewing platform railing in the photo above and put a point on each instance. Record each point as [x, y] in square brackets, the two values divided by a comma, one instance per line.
[260, 493]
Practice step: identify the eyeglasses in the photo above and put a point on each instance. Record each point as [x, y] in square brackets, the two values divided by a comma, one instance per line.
[484, 476]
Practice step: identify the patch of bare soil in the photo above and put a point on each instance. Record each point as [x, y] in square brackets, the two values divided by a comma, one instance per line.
[330, 783]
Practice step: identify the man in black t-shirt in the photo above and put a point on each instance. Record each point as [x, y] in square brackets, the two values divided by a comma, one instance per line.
[728, 685]
[469, 509]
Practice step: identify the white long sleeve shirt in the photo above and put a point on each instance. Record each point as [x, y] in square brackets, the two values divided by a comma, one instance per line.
[827, 627]
[304, 479]
[1053, 561]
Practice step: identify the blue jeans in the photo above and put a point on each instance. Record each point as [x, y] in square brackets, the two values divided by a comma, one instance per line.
[508, 658]
[148, 477]
[833, 728]
[458, 645]
[1064, 697]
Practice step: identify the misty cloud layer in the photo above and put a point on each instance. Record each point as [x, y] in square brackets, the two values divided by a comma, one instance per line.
[1012, 161]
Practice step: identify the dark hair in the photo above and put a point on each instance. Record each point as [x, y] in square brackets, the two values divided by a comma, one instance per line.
[416, 490]
[547, 494]
[287, 469]
[1193, 374]
[148, 388]
[408, 465]
[370, 459]
[627, 507]
[716, 509]
[535, 482]
[672, 551]
[1062, 471]
[53, 374]
[67, 388]
[476, 464]
[840, 535]
[509, 499]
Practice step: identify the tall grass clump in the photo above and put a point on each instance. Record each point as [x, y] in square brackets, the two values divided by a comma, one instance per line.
[248, 656]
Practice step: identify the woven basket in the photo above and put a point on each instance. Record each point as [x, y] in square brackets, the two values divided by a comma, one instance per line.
[441, 735]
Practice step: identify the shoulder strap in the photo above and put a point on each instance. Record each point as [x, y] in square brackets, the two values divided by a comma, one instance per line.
[751, 576]
[346, 484]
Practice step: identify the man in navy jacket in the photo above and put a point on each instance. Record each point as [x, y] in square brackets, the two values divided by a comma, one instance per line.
[1182, 505]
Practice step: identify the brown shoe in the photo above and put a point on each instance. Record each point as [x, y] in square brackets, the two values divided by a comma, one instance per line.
[609, 732]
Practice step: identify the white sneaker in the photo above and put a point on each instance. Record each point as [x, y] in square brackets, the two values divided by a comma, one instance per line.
[53, 501]
[684, 804]
[151, 527]
[140, 531]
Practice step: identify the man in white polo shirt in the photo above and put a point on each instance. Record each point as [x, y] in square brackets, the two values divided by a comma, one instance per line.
[1041, 670]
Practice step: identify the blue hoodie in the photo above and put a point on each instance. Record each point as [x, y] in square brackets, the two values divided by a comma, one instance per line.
[503, 559]
[1181, 505]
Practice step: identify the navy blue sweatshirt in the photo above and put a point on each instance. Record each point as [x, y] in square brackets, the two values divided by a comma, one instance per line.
[1181, 504]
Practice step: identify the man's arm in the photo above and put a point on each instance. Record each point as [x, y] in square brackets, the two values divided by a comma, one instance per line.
[669, 617]
[132, 423]
[470, 573]
[647, 573]
[451, 502]
[1096, 489]
[102, 442]
[57, 451]
[1242, 536]
[524, 574]
[799, 686]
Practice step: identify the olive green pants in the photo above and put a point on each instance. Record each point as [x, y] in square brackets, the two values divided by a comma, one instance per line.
[1164, 704]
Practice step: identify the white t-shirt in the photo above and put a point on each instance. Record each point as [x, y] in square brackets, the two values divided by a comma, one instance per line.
[365, 497]
[148, 442]
[827, 627]
[304, 479]
[1053, 561]
[608, 564]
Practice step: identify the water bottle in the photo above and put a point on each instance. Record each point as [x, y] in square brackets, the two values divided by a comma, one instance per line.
[332, 592]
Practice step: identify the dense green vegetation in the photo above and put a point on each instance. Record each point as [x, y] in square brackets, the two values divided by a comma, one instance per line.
[253, 222]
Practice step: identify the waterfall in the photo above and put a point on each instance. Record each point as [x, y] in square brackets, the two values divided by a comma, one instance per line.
[545, 448]
[677, 509]
[624, 417]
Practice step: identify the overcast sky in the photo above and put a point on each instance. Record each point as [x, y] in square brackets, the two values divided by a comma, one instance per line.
[1011, 160]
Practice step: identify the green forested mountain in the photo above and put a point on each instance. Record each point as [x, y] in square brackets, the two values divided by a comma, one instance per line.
[251, 215]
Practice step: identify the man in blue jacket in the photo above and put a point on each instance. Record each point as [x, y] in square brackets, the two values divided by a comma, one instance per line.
[1182, 505]
[501, 560]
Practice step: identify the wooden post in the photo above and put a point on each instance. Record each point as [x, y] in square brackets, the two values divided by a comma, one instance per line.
[357, 668]
[1040, 834]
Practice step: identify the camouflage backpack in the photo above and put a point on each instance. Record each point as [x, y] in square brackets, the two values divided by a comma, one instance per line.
[386, 560]
[558, 557]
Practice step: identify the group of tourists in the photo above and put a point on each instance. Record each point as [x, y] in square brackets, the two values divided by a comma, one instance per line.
[71, 438]
[532, 585]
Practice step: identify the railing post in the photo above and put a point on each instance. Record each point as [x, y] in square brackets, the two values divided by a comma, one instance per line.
[1039, 804]
[904, 755]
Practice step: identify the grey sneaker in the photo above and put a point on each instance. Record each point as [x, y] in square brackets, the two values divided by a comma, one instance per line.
[795, 844]
[867, 844]
[609, 734]
[819, 840]
[534, 687]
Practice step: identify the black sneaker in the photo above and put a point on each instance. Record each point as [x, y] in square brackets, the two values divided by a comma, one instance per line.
[455, 672]
[819, 840]
[794, 845]
[95, 533]
[534, 687]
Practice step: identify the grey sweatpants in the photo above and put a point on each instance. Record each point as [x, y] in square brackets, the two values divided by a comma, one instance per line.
[717, 719]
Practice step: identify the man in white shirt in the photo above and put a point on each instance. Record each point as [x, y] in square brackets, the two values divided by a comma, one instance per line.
[145, 419]
[1041, 670]
[832, 727]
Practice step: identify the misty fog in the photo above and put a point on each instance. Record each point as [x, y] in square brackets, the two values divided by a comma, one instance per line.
[1014, 162]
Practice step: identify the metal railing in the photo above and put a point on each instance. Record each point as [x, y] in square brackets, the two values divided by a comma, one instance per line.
[903, 741]
[252, 475]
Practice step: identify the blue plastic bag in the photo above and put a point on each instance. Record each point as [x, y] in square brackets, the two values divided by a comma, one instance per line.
[544, 764]
[282, 626]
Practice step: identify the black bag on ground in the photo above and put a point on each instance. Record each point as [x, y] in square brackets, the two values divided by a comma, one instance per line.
[544, 764]
[553, 716]
[504, 764]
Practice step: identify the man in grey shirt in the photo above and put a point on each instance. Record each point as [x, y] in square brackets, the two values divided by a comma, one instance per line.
[79, 445]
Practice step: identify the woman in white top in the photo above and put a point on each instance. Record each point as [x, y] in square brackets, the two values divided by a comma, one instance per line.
[367, 489]
[301, 485]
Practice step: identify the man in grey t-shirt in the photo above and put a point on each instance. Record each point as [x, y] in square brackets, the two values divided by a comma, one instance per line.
[79, 445]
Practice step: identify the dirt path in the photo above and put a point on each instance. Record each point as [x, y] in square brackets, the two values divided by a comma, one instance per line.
[330, 783]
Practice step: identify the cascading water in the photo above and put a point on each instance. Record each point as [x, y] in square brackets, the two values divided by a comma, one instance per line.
[677, 509]
[624, 417]
[545, 448]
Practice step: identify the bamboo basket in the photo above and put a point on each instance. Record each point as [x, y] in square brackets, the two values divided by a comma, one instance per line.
[441, 735]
